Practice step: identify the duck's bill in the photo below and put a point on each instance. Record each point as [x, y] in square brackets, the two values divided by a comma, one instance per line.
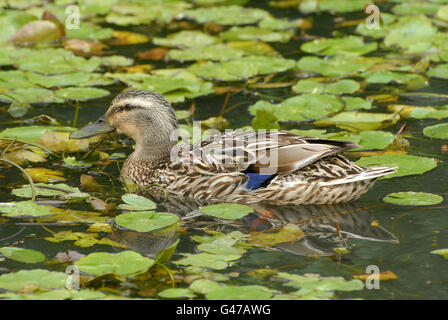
[98, 127]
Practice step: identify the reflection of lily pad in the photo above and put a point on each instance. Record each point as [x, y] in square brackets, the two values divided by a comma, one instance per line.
[411, 198]
[406, 164]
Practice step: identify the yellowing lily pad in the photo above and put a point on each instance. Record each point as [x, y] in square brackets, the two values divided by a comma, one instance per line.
[226, 210]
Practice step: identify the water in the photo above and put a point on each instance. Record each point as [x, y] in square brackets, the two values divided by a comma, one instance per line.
[401, 244]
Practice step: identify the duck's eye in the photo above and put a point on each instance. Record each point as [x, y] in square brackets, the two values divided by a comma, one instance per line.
[128, 106]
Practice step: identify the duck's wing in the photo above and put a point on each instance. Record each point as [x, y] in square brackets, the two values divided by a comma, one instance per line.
[267, 153]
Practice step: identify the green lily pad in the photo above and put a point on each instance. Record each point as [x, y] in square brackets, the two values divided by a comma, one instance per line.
[45, 190]
[281, 24]
[411, 198]
[226, 210]
[207, 260]
[222, 246]
[255, 33]
[351, 46]
[185, 39]
[204, 286]
[217, 52]
[385, 76]
[408, 31]
[31, 95]
[125, 263]
[227, 15]
[77, 93]
[240, 69]
[25, 209]
[37, 278]
[406, 164]
[289, 233]
[252, 292]
[440, 71]
[360, 120]
[31, 133]
[366, 139]
[301, 108]
[439, 131]
[22, 255]
[336, 66]
[145, 221]
[176, 293]
[416, 8]
[136, 203]
[341, 6]
[442, 252]
[338, 87]
[50, 81]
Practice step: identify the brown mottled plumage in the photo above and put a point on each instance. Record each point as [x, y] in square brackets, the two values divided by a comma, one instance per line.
[298, 169]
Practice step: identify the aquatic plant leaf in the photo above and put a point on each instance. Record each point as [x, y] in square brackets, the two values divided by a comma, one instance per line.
[438, 131]
[125, 263]
[301, 108]
[31, 95]
[227, 15]
[289, 233]
[204, 286]
[412, 198]
[45, 175]
[409, 30]
[265, 119]
[226, 210]
[386, 76]
[256, 33]
[222, 246]
[78, 93]
[62, 80]
[45, 190]
[366, 139]
[89, 31]
[174, 293]
[351, 46]
[217, 52]
[185, 39]
[283, 24]
[31, 279]
[251, 292]
[137, 203]
[358, 121]
[336, 66]
[382, 276]
[22, 255]
[25, 209]
[355, 103]
[416, 8]
[146, 221]
[338, 87]
[31, 133]
[340, 6]
[406, 164]
[442, 252]
[439, 71]
[35, 31]
[207, 260]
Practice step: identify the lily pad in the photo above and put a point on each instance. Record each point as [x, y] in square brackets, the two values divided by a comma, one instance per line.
[145, 221]
[226, 210]
[360, 120]
[36, 278]
[406, 164]
[45, 190]
[176, 293]
[185, 39]
[213, 261]
[351, 46]
[136, 203]
[227, 15]
[31, 133]
[24, 209]
[438, 131]
[22, 255]
[255, 33]
[338, 87]
[442, 252]
[411, 198]
[252, 292]
[336, 66]
[125, 263]
[77, 93]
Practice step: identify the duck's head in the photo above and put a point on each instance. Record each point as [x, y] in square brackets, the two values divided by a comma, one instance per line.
[145, 116]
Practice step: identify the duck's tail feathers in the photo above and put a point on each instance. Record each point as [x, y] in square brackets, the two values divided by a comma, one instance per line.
[368, 174]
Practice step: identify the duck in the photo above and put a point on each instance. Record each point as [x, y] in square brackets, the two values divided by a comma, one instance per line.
[236, 166]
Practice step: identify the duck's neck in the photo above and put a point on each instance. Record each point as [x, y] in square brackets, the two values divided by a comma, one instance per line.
[153, 148]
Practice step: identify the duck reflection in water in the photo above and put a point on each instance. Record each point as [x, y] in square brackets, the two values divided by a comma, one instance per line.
[325, 227]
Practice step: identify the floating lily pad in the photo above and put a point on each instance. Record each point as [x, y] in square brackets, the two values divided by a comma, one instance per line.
[37, 278]
[255, 33]
[24, 209]
[22, 255]
[411, 198]
[360, 120]
[125, 263]
[226, 210]
[185, 39]
[45, 190]
[442, 252]
[338, 87]
[214, 261]
[136, 203]
[289, 233]
[336, 66]
[301, 108]
[440, 71]
[227, 15]
[31, 133]
[204, 286]
[176, 293]
[351, 45]
[406, 164]
[439, 131]
[218, 52]
[145, 221]
[77, 93]
[342, 6]
[222, 246]
[252, 292]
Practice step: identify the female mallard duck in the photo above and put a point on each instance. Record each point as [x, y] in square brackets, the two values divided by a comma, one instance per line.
[241, 166]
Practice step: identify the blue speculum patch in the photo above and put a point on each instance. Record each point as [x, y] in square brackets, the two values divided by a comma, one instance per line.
[257, 180]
